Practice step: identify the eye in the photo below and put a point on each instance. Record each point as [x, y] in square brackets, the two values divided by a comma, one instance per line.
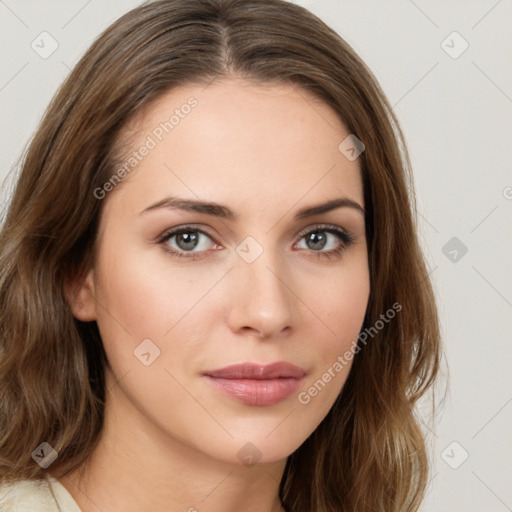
[186, 239]
[323, 241]
[327, 241]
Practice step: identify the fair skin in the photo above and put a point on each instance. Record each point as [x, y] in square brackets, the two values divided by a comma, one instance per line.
[171, 439]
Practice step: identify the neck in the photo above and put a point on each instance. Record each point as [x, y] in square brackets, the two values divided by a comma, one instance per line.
[138, 466]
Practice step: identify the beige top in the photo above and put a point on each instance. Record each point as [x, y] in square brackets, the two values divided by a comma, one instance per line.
[47, 495]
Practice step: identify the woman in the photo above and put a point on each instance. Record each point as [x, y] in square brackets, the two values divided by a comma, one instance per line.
[213, 297]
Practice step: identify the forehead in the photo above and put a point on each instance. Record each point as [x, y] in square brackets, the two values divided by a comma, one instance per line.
[238, 142]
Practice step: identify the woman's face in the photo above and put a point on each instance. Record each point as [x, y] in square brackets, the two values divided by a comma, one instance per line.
[255, 278]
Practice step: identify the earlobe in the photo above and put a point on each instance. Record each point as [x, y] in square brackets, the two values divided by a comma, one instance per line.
[81, 298]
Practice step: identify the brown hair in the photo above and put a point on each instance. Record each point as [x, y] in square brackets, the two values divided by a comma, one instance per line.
[368, 454]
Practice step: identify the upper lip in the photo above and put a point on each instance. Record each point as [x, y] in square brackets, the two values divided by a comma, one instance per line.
[258, 371]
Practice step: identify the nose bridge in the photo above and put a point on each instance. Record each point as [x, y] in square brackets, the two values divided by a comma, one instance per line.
[261, 299]
[264, 276]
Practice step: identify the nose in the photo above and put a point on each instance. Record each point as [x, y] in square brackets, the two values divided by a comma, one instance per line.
[261, 302]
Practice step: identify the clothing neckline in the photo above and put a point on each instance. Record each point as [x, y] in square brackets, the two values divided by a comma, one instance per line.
[65, 502]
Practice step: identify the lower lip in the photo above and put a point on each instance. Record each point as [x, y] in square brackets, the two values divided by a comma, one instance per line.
[257, 392]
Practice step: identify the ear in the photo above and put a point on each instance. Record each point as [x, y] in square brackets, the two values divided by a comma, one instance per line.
[81, 298]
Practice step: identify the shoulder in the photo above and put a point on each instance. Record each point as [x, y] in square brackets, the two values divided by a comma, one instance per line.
[41, 495]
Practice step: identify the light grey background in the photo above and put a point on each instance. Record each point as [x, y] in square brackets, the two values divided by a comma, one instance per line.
[456, 115]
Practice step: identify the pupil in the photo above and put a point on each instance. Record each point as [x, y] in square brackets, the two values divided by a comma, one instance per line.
[318, 241]
[189, 240]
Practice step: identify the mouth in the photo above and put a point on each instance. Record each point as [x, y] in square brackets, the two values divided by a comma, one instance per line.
[255, 384]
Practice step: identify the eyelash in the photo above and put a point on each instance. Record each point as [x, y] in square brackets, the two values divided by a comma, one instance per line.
[346, 239]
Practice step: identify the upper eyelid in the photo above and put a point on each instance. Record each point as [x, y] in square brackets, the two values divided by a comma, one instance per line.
[320, 226]
[186, 227]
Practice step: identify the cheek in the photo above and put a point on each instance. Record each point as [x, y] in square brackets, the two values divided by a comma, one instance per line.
[339, 315]
[146, 295]
[342, 306]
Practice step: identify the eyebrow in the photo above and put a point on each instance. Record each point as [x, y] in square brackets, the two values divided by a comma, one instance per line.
[219, 210]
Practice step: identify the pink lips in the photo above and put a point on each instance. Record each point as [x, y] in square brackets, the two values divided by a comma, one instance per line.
[255, 384]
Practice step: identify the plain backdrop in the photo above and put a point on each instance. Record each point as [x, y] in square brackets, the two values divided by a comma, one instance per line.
[445, 67]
